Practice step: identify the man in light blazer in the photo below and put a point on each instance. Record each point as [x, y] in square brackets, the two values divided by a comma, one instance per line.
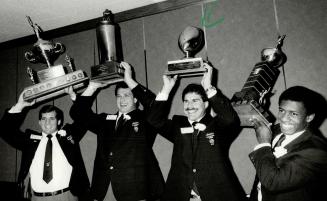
[290, 159]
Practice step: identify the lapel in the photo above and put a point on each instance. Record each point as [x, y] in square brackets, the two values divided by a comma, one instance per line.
[298, 141]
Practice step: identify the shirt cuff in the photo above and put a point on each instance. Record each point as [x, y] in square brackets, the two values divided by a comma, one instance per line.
[211, 91]
[162, 96]
[261, 145]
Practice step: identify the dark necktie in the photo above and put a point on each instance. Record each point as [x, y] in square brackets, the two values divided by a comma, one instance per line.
[194, 147]
[47, 168]
[280, 140]
[119, 121]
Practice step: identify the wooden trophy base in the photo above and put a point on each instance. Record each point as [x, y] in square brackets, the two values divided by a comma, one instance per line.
[186, 67]
[109, 72]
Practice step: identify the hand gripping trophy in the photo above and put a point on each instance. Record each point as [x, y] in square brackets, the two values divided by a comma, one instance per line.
[190, 41]
[251, 101]
[50, 82]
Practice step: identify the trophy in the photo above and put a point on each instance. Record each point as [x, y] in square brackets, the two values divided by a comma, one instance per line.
[50, 82]
[251, 101]
[109, 69]
[190, 41]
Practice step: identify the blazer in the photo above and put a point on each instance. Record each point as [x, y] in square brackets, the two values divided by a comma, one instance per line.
[300, 174]
[123, 157]
[28, 142]
[207, 164]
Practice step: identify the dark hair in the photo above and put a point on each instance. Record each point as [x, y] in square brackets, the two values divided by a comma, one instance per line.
[195, 88]
[120, 85]
[301, 94]
[52, 108]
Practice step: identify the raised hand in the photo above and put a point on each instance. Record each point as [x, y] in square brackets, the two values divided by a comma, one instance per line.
[207, 77]
[263, 132]
[169, 83]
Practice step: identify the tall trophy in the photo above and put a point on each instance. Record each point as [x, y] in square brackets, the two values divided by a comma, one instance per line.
[190, 41]
[50, 82]
[109, 69]
[251, 101]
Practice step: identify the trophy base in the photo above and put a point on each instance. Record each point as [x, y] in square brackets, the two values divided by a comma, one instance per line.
[109, 72]
[51, 73]
[55, 87]
[249, 110]
[186, 67]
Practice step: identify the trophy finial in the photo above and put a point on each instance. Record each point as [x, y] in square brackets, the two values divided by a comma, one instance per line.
[191, 41]
[107, 15]
[274, 56]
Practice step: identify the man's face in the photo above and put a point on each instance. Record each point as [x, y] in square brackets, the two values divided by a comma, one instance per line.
[293, 117]
[194, 106]
[49, 122]
[125, 100]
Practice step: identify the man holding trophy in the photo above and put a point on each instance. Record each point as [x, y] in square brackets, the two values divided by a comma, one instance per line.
[200, 168]
[125, 166]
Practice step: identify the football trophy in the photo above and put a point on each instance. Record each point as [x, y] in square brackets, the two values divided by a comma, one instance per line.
[50, 82]
[109, 69]
[251, 101]
[190, 41]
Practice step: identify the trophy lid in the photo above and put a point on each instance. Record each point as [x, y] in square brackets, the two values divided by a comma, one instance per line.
[107, 18]
[191, 40]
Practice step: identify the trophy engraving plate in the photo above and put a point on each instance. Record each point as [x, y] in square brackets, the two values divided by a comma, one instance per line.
[251, 101]
[190, 41]
[50, 82]
[109, 70]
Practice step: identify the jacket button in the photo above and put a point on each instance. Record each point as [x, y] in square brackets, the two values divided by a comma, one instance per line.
[111, 167]
[194, 170]
[110, 154]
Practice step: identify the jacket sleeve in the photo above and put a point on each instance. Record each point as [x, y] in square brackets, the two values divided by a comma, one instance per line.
[11, 133]
[296, 170]
[144, 95]
[157, 117]
[82, 114]
[226, 115]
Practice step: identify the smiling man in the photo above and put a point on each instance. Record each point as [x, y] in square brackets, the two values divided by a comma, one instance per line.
[292, 166]
[125, 167]
[200, 167]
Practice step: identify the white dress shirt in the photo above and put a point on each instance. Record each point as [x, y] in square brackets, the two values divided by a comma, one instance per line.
[61, 168]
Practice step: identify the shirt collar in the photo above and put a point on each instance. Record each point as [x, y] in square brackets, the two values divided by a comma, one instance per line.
[53, 134]
[288, 138]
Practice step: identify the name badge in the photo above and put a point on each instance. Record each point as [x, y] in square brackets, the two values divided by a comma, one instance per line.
[111, 117]
[35, 137]
[187, 130]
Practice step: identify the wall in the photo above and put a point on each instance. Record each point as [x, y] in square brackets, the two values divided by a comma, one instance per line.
[233, 45]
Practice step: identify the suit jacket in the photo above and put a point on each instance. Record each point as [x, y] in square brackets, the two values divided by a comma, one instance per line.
[207, 164]
[124, 157]
[300, 174]
[28, 142]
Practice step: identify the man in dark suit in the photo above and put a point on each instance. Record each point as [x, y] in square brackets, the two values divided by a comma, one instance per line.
[52, 158]
[200, 166]
[290, 159]
[125, 164]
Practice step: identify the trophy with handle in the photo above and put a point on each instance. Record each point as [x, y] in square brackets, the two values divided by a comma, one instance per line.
[251, 101]
[50, 82]
[190, 41]
[109, 69]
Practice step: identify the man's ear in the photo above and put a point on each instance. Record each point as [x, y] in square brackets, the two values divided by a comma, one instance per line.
[309, 118]
[206, 104]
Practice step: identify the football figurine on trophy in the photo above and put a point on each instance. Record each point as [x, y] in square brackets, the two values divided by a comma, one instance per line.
[49, 82]
[109, 69]
[190, 41]
[251, 101]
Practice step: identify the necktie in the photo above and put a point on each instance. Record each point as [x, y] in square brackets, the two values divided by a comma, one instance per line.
[119, 121]
[47, 168]
[280, 140]
[194, 146]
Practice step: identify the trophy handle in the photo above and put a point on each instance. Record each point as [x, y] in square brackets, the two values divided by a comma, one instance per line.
[59, 48]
